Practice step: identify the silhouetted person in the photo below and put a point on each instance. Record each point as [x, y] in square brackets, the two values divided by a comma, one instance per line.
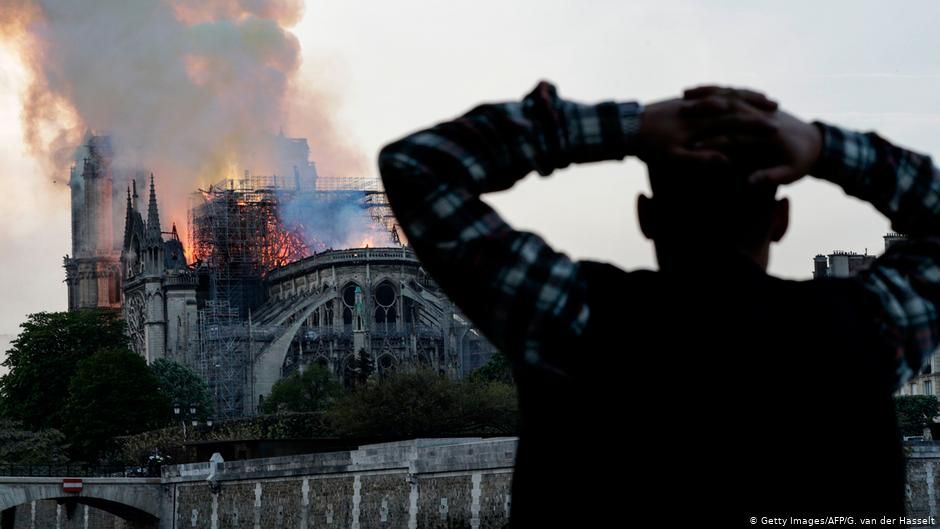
[707, 392]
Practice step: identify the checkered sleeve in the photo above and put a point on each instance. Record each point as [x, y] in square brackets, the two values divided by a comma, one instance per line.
[905, 281]
[511, 284]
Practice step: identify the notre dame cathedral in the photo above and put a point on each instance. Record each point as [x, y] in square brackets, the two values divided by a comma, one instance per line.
[253, 303]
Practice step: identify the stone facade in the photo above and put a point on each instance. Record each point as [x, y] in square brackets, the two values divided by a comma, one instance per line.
[159, 287]
[922, 495]
[425, 483]
[93, 273]
[336, 306]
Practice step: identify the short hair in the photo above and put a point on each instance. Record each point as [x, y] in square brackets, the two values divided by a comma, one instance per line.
[696, 199]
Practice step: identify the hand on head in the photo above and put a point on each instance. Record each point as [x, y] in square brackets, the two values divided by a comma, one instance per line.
[716, 125]
[784, 150]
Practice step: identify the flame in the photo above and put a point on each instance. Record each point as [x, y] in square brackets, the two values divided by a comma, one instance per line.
[234, 223]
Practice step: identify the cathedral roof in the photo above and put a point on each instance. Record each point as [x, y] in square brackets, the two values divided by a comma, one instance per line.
[173, 256]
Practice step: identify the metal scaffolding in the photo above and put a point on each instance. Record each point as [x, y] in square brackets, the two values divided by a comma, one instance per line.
[235, 226]
[237, 235]
[223, 357]
[376, 202]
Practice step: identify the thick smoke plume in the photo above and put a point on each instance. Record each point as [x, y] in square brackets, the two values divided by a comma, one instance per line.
[337, 223]
[191, 90]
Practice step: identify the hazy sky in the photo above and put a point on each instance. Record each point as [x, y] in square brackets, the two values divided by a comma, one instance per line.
[396, 66]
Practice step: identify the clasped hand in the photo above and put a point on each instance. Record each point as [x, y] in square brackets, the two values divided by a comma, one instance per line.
[713, 125]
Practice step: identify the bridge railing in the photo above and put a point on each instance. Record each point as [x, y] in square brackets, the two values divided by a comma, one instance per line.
[79, 471]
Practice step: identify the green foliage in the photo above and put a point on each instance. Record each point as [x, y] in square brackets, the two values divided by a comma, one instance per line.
[915, 412]
[313, 390]
[498, 369]
[135, 449]
[426, 404]
[44, 357]
[178, 384]
[23, 447]
[362, 367]
[112, 393]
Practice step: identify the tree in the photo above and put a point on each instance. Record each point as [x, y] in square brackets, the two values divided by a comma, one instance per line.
[313, 390]
[915, 413]
[112, 393]
[497, 369]
[180, 385]
[426, 404]
[44, 357]
[23, 447]
[362, 368]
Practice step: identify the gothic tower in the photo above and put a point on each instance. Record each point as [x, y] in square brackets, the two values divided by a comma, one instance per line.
[93, 272]
[159, 287]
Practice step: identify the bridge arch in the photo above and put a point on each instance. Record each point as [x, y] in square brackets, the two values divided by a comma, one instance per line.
[133, 499]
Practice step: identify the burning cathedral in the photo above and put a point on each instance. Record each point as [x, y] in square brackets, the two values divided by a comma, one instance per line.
[272, 273]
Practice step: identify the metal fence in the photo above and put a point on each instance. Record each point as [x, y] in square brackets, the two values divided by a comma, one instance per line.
[79, 471]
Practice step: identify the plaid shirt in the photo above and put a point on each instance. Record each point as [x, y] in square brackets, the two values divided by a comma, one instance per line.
[521, 292]
[510, 283]
[905, 186]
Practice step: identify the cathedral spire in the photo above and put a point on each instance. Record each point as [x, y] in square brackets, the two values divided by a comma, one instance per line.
[153, 216]
[127, 217]
[134, 195]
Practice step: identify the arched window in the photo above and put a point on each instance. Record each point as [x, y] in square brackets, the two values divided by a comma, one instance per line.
[328, 313]
[349, 295]
[386, 365]
[386, 299]
[385, 294]
[352, 307]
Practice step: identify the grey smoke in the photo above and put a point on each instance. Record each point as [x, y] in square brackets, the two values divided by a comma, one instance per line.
[335, 221]
[189, 90]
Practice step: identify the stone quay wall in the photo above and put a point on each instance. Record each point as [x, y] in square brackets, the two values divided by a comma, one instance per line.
[422, 483]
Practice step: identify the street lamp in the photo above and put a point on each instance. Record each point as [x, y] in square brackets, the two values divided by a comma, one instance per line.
[180, 413]
[177, 411]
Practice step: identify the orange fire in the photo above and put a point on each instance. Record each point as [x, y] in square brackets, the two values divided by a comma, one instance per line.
[242, 229]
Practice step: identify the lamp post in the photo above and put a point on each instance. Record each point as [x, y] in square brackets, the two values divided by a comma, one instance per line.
[179, 412]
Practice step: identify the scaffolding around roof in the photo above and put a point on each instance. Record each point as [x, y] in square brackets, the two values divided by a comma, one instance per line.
[237, 235]
[235, 227]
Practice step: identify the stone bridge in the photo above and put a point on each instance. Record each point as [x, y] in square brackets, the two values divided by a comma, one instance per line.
[135, 500]
[416, 484]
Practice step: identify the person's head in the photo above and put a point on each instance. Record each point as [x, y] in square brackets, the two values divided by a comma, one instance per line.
[712, 210]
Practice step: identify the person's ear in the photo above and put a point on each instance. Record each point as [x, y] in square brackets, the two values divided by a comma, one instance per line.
[646, 212]
[780, 220]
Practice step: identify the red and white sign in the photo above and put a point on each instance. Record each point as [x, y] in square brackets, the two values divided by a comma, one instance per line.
[71, 485]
